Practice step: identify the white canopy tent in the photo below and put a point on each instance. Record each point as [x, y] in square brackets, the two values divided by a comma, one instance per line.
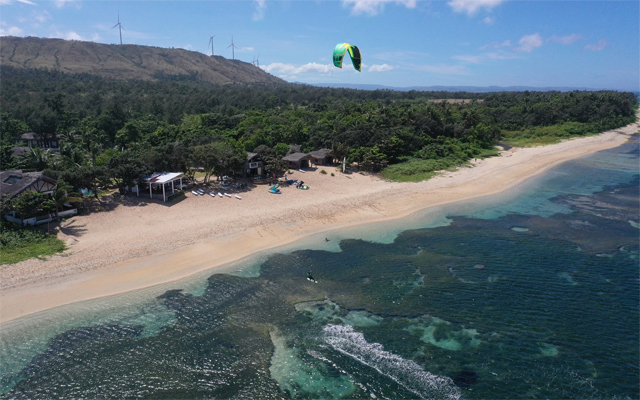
[161, 178]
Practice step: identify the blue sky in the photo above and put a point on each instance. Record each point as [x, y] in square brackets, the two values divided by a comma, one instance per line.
[590, 44]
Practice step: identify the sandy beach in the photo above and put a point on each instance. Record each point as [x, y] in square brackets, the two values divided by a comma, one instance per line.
[137, 242]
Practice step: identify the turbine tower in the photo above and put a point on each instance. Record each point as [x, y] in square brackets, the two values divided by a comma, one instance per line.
[119, 25]
[256, 61]
[233, 48]
[211, 43]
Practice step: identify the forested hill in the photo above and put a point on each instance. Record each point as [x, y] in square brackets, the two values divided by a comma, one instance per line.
[127, 62]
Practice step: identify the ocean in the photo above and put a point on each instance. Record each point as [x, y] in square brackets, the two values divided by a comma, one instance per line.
[533, 293]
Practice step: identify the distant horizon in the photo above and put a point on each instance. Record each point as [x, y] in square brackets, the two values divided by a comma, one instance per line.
[404, 43]
[468, 88]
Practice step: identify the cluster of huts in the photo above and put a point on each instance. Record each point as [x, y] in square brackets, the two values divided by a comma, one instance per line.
[16, 182]
[294, 160]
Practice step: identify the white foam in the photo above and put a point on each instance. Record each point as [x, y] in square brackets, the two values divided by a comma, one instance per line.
[406, 373]
[299, 378]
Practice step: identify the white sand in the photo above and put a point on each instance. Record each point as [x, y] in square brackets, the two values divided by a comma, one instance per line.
[144, 242]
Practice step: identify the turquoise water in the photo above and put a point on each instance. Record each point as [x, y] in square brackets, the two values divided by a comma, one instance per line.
[531, 294]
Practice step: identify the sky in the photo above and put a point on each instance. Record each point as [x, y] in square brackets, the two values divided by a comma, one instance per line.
[404, 43]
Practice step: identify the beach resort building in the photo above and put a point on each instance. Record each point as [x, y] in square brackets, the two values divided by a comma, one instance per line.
[43, 141]
[13, 183]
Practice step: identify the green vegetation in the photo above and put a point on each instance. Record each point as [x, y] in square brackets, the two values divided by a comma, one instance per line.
[116, 130]
[543, 135]
[176, 195]
[416, 170]
[18, 244]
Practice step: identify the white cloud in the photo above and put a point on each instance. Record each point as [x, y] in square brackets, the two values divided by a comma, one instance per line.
[290, 69]
[529, 43]
[42, 17]
[373, 7]
[245, 49]
[599, 46]
[398, 55]
[496, 45]
[489, 20]
[569, 39]
[261, 8]
[469, 58]
[62, 3]
[9, 2]
[11, 31]
[472, 6]
[444, 69]
[500, 55]
[380, 68]
[71, 35]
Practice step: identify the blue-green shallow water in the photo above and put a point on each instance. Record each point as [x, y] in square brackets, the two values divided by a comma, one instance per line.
[534, 296]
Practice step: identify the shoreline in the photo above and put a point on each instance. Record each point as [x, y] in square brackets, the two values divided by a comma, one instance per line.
[142, 243]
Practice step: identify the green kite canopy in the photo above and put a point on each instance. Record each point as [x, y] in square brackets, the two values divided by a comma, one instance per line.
[354, 52]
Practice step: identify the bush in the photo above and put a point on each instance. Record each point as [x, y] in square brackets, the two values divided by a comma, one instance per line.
[175, 195]
[323, 172]
[416, 170]
[19, 243]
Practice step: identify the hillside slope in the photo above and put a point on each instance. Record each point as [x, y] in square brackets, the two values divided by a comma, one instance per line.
[127, 61]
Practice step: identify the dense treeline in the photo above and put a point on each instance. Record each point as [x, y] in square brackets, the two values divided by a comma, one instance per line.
[116, 130]
[26, 92]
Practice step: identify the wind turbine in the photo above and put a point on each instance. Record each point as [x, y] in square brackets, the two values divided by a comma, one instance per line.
[256, 61]
[119, 25]
[233, 48]
[211, 43]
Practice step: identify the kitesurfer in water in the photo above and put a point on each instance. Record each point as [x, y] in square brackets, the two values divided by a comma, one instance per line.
[310, 277]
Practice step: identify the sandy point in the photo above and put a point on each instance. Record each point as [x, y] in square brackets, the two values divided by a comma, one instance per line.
[138, 242]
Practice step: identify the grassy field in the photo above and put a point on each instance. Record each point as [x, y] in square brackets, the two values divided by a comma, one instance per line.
[19, 244]
[544, 135]
[416, 169]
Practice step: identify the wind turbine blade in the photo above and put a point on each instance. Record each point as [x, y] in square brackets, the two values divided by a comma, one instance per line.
[116, 25]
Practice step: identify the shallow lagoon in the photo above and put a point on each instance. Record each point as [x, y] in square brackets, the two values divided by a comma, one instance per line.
[531, 294]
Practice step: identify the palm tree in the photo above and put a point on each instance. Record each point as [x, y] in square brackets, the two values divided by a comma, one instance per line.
[37, 158]
[340, 151]
[62, 193]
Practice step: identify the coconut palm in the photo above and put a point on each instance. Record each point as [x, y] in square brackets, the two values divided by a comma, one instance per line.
[37, 158]
[62, 193]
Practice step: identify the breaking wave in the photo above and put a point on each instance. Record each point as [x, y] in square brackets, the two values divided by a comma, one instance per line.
[406, 373]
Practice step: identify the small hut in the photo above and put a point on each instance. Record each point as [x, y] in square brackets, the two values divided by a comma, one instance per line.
[321, 157]
[296, 160]
[254, 165]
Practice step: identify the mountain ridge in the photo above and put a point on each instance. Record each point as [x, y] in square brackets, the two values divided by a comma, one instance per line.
[128, 61]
